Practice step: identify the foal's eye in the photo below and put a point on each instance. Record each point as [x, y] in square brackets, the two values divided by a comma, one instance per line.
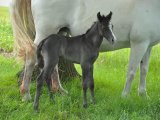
[106, 28]
[112, 26]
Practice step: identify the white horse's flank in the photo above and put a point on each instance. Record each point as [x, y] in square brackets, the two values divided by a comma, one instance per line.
[136, 25]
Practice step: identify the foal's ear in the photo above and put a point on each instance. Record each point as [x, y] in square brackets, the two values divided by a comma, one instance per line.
[109, 16]
[99, 17]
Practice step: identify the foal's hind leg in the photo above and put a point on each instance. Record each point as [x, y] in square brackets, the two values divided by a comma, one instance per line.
[38, 90]
[85, 86]
[49, 82]
[91, 83]
[45, 75]
[56, 85]
[49, 85]
[29, 66]
[143, 72]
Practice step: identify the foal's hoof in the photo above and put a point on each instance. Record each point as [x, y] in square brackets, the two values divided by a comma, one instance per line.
[36, 108]
[85, 105]
[52, 100]
[93, 102]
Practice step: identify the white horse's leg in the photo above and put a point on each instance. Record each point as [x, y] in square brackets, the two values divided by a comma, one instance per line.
[143, 72]
[29, 66]
[56, 84]
[137, 52]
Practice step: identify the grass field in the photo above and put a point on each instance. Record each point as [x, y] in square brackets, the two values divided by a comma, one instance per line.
[109, 73]
[6, 37]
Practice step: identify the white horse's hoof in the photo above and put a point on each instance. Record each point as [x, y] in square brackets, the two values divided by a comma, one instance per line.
[143, 94]
[124, 94]
[63, 91]
[26, 97]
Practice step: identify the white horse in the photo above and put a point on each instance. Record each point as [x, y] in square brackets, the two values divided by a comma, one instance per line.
[136, 26]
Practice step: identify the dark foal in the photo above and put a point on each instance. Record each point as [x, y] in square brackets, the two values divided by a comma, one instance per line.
[82, 49]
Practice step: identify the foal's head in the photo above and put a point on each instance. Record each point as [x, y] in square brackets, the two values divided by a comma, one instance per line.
[105, 27]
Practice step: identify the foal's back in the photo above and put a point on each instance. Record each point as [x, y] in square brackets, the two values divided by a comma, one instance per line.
[70, 48]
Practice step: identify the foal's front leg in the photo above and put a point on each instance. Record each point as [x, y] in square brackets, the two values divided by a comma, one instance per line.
[85, 86]
[91, 84]
[38, 90]
[87, 75]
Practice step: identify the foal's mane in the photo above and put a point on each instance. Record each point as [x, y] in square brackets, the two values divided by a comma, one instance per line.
[91, 27]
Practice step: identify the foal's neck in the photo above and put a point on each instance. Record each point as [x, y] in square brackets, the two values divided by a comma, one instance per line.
[93, 35]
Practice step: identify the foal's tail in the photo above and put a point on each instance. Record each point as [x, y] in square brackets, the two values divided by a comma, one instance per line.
[39, 55]
[23, 27]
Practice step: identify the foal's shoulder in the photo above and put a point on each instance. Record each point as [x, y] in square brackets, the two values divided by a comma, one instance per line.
[75, 38]
[55, 36]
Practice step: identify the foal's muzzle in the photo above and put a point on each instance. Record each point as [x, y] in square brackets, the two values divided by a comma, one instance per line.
[114, 39]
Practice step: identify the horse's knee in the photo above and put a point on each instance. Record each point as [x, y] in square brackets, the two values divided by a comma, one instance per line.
[29, 66]
[84, 85]
[131, 75]
[25, 93]
[39, 82]
[144, 70]
[91, 85]
[22, 89]
[30, 61]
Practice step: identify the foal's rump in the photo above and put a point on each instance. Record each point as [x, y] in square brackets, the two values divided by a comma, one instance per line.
[39, 54]
[48, 46]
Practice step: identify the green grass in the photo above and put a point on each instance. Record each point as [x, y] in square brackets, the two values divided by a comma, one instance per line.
[6, 37]
[4, 12]
[109, 73]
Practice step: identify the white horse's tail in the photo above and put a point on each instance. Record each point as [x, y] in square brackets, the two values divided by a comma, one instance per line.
[23, 26]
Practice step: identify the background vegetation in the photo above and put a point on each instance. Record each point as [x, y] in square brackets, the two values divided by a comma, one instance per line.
[109, 73]
[6, 37]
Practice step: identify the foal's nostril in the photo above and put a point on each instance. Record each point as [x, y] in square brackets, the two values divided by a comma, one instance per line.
[112, 40]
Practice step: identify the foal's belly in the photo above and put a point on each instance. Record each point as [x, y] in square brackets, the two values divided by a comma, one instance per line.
[73, 56]
[71, 59]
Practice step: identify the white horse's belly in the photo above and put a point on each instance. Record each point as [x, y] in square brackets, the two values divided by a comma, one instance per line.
[85, 15]
[79, 15]
[146, 25]
[106, 46]
[50, 16]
